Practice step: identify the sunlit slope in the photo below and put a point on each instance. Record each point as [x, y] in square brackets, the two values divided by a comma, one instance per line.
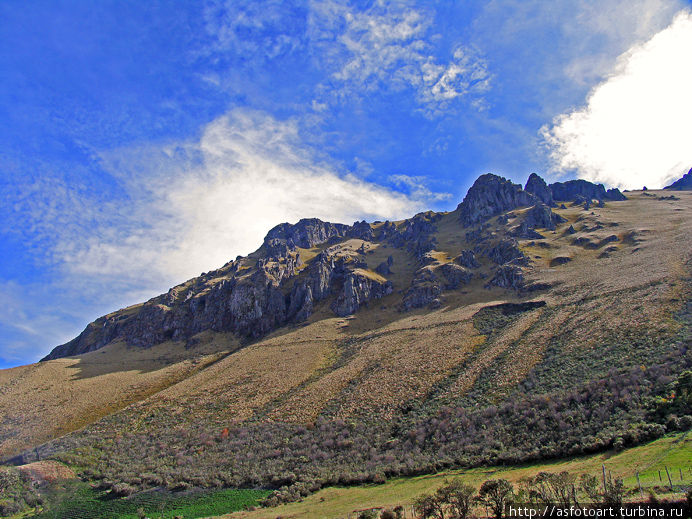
[48, 399]
[625, 275]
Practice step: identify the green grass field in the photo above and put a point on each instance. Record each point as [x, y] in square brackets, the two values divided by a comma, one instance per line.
[77, 500]
[674, 452]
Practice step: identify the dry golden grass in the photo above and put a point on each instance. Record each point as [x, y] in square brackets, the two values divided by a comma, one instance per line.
[48, 399]
[379, 358]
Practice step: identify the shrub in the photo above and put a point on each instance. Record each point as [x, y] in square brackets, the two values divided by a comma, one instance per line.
[496, 494]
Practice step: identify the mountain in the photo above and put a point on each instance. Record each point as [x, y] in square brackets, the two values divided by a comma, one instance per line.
[293, 270]
[525, 324]
[682, 184]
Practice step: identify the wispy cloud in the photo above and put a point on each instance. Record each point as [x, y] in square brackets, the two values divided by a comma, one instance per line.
[183, 208]
[191, 206]
[633, 130]
[390, 47]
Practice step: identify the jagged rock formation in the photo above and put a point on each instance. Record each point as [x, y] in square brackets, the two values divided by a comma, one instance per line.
[313, 264]
[570, 190]
[491, 195]
[682, 184]
[308, 232]
[507, 276]
[538, 187]
[357, 290]
[467, 259]
[505, 251]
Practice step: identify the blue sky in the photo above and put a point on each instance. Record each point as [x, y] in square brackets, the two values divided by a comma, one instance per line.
[145, 142]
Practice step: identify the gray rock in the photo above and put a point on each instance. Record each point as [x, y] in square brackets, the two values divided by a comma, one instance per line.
[538, 187]
[361, 230]
[383, 269]
[491, 195]
[559, 260]
[308, 232]
[467, 259]
[682, 184]
[455, 275]
[425, 288]
[507, 276]
[568, 191]
[614, 195]
[358, 290]
[505, 251]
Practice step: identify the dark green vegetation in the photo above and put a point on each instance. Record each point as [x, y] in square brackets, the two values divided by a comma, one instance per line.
[77, 500]
[16, 492]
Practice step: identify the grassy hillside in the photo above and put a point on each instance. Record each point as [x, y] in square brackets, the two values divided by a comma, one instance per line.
[588, 356]
[49, 399]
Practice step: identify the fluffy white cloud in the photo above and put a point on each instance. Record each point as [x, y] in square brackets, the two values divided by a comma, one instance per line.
[194, 206]
[176, 210]
[633, 130]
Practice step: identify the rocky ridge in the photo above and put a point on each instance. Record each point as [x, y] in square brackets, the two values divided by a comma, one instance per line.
[682, 184]
[313, 264]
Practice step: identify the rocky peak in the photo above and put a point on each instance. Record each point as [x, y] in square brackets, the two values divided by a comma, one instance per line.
[682, 184]
[491, 195]
[308, 232]
[538, 187]
[570, 190]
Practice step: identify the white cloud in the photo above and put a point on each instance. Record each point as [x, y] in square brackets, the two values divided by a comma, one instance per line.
[633, 130]
[417, 187]
[389, 46]
[182, 208]
[194, 206]
[27, 329]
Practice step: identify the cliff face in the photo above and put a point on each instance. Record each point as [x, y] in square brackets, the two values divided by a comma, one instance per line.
[300, 266]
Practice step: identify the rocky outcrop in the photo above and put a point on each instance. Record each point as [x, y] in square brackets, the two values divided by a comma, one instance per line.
[682, 184]
[539, 216]
[358, 290]
[414, 234]
[467, 259]
[361, 230]
[614, 195]
[570, 190]
[308, 232]
[507, 250]
[538, 187]
[510, 277]
[491, 195]
[425, 289]
[454, 275]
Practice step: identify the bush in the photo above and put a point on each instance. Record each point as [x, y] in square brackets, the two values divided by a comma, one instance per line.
[496, 494]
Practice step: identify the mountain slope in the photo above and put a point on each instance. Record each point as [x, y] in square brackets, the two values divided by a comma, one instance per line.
[502, 331]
